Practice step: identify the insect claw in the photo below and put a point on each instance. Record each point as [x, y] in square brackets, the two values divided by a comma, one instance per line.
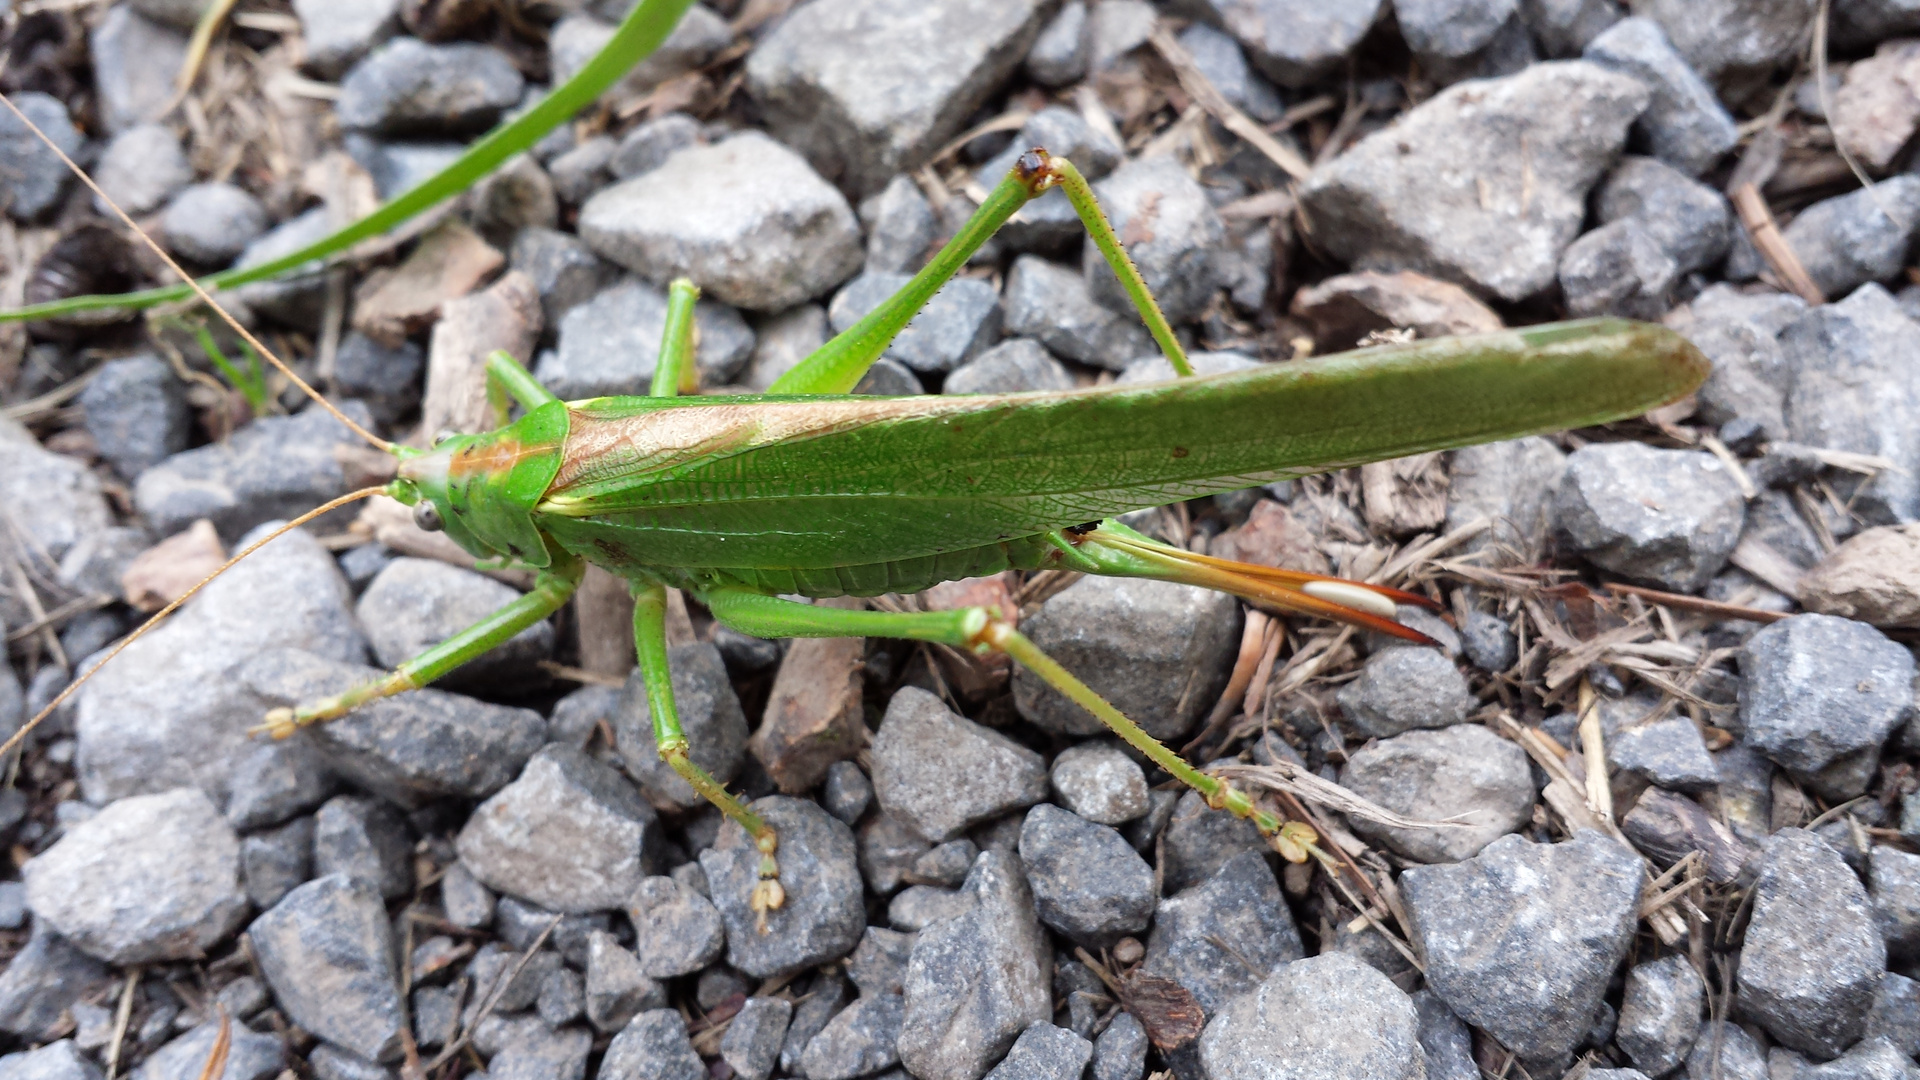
[278, 724]
[1295, 841]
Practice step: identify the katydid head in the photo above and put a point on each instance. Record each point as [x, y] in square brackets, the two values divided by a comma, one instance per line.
[481, 490]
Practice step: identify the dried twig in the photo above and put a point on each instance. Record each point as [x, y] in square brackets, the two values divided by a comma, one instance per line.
[1209, 97]
[1772, 246]
[1697, 604]
[1285, 776]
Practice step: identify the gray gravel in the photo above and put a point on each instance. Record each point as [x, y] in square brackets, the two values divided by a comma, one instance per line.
[822, 917]
[409, 87]
[609, 344]
[939, 774]
[1303, 1012]
[327, 952]
[1669, 518]
[1463, 774]
[36, 177]
[1819, 696]
[1087, 883]
[1562, 912]
[1813, 955]
[1239, 906]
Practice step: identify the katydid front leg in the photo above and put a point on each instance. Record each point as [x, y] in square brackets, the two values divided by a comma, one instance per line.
[650, 642]
[551, 589]
[981, 630]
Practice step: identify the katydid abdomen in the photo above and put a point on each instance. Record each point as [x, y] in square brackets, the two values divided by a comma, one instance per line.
[858, 495]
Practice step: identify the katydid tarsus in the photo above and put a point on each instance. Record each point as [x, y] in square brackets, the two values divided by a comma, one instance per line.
[742, 501]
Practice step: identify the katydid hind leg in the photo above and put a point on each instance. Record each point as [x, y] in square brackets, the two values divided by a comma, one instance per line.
[980, 629]
[670, 741]
[552, 588]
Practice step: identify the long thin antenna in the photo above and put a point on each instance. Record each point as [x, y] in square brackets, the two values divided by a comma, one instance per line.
[199, 290]
[276, 534]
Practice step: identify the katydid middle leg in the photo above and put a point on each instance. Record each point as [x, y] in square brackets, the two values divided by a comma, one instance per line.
[982, 630]
[835, 368]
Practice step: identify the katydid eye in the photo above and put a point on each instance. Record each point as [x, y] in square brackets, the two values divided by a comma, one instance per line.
[427, 516]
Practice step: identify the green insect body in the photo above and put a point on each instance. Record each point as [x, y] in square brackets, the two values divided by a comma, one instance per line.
[807, 490]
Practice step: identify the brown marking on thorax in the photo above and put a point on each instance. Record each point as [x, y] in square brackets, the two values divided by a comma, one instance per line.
[496, 457]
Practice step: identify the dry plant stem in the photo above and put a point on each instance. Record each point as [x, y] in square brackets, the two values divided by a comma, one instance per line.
[1209, 97]
[1696, 604]
[203, 32]
[1758, 220]
[494, 994]
[1593, 748]
[60, 699]
[198, 290]
[216, 1066]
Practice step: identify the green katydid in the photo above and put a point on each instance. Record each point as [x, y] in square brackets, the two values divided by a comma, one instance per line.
[741, 500]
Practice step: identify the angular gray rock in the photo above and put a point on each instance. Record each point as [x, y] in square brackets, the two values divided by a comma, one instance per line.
[1088, 885]
[1722, 1051]
[337, 33]
[1858, 23]
[570, 835]
[1446, 1041]
[1223, 63]
[695, 40]
[43, 981]
[410, 749]
[1485, 184]
[386, 379]
[676, 931]
[53, 498]
[141, 169]
[1657, 227]
[137, 413]
[152, 877]
[1660, 1014]
[1813, 956]
[1169, 229]
[1049, 223]
[1199, 840]
[752, 1042]
[562, 267]
[1044, 1052]
[1750, 375]
[251, 1055]
[1464, 773]
[1238, 907]
[366, 841]
[862, 1038]
[747, 219]
[276, 861]
[1670, 753]
[168, 711]
[1732, 42]
[36, 178]
[1893, 880]
[135, 63]
[299, 297]
[1099, 782]
[1511, 484]
[327, 951]
[653, 1047]
[1443, 33]
[408, 87]
[1851, 390]
[1820, 694]
[1400, 690]
[55, 1061]
[648, 146]
[710, 714]
[1019, 365]
[940, 774]
[1669, 518]
[1120, 1053]
[1292, 42]
[415, 604]
[1059, 54]
[276, 467]
[956, 324]
[901, 227]
[975, 981]
[847, 792]
[1896, 1013]
[1053, 304]
[212, 223]
[616, 988]
[819, 869]
[870, 88]
[1157, 651]
[1684, 125]
[609, 345]
[1332, 1011]
[1521, 939]
[1852, 239]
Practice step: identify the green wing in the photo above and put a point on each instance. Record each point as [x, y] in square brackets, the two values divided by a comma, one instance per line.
[817, 482]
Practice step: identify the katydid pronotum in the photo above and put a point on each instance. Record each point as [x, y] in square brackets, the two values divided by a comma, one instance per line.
[742, 501]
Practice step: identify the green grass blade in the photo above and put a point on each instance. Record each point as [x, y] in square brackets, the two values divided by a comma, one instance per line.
[636, 38]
